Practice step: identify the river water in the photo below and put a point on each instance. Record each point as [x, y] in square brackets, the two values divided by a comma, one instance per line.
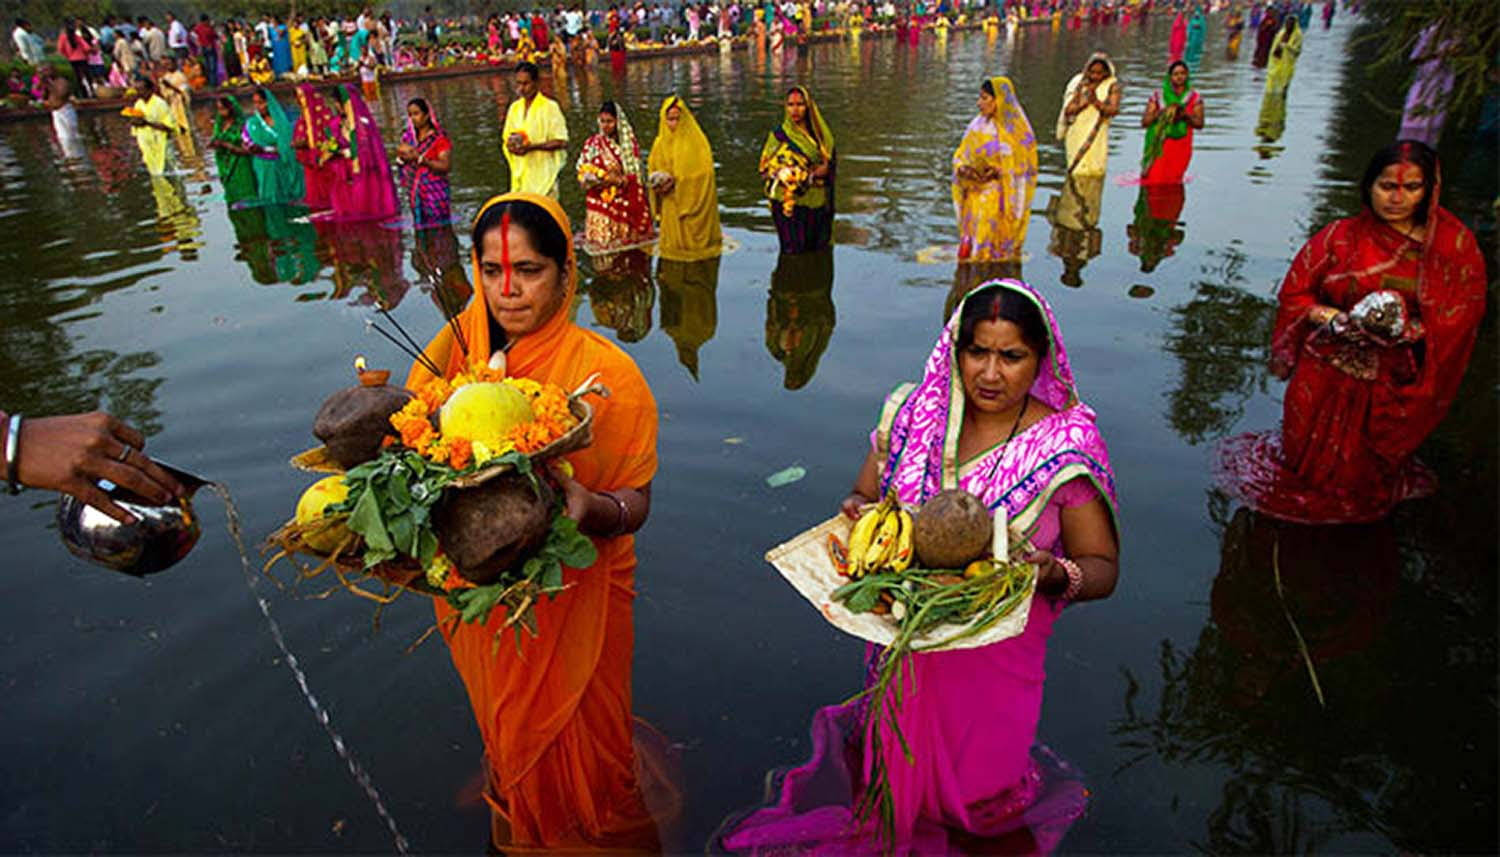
[157, 715]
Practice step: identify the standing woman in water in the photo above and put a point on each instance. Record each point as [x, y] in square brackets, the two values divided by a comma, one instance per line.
[425, 157]
[798, 167]
[994, 177]
[1378, 318]
[684, 187]
[234, 160]
[268, 133]
[554, 709]
[1171, 117]
[1090, 103]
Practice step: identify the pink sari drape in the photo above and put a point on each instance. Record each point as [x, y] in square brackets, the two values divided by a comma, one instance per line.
[368, 192]
[969, 776]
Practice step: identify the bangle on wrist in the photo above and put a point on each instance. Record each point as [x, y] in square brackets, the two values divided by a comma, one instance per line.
[1075, 578]
[624, 514]
[13, 453]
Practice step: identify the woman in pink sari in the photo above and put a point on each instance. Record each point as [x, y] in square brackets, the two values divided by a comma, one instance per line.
[996, 414]
[1177, 41]
[367, 191]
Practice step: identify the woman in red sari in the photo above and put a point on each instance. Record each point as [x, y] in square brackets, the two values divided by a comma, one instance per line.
[1377, 321]
[617, 216]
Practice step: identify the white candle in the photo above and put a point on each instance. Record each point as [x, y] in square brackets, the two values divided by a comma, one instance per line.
[1001, 546]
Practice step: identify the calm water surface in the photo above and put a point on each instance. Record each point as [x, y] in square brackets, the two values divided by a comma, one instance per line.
[156, 715]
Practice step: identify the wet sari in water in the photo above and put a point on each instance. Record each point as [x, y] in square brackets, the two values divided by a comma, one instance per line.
[1169, 145]
[427, 191]
[616, 217]
[993, 213]
[555, 712]
[153, 142]
[1177, 41]
[967, 776]
[1356, 411]
[688, 216]
[278, 176]
[236, 171]
[317, 139]
[367, 191]
[1086, 137]
[808, 225]
[1284, 52]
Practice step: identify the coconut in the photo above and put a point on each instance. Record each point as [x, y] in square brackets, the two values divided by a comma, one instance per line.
[353, 421]
[952, 529]
[489, 528]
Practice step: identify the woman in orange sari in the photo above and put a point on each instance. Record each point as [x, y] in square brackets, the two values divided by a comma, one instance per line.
[554, 712]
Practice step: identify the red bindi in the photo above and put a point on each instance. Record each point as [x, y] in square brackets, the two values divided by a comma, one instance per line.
[1408, 173]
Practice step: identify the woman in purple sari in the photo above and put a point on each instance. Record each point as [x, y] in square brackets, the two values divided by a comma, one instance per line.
[367, 191]
[996, 414]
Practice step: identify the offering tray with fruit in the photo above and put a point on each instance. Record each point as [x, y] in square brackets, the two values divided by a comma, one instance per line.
[880, 601]
[452, 489]
[941, 577]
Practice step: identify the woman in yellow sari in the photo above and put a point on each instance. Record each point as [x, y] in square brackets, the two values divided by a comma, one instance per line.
[554, 711]
[798, 166]
[684, 189]
[994, 177]
[1284, 52]
[152, 122]
[1092, 100]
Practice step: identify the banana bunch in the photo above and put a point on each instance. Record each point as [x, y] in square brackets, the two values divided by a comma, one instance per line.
[881, 539]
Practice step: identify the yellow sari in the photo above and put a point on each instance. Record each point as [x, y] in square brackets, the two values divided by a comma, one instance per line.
[540, 121]
[689, 214]
[1086, 137]
[153, 142]
[993, 212]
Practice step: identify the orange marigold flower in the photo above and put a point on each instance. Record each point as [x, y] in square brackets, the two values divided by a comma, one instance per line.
[460, 453]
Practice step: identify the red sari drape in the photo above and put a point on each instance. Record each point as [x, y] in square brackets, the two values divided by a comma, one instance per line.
[1355, 413]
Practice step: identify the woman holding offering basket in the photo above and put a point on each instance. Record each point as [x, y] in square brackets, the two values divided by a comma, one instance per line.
[996, 414]
[554, 708]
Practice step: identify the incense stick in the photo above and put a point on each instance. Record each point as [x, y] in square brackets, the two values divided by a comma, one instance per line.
[416, 355]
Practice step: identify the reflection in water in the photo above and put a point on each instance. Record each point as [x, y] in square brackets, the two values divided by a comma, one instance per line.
[1155, 234]
[440, 269]
[1300, 612]
[969, 276]
[1074, 215]
[363, 255]
[176, 219]
[689, 305]
[1271, 122]
[1220, 337]
[622, 294]
[276, 243]
[800, 313]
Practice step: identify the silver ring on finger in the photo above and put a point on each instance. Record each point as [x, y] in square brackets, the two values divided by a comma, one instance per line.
[124, 454]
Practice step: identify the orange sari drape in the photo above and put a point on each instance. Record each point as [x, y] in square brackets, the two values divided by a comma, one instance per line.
[555, 713]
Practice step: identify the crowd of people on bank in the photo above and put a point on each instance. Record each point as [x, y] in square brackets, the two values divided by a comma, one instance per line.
[1378, 317]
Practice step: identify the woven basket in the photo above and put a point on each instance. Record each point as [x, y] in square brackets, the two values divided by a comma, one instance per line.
[806, 565]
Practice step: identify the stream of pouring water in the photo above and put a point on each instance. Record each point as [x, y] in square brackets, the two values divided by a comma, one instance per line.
[357, 770]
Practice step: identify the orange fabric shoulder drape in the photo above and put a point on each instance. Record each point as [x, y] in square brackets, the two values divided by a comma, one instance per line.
[555, 712]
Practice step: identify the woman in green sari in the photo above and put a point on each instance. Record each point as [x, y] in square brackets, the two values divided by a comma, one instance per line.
[1170, 119]
[268, 135]
[236, 172]
[797, 165]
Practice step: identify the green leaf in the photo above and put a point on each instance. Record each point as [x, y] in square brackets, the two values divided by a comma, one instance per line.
[400, 495]
[864, 599]
[552, 575]
[403, 533]
[571, 547]
[427, 546]
[367, 521]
